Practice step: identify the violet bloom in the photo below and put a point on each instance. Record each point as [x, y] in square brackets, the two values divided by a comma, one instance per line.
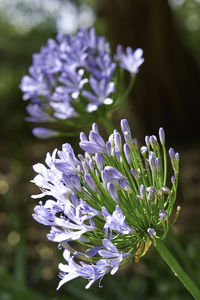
[95, 144]
[130, 60]
[73, 270]
[101, 91]
[116, 222]
[111, 199]
[72, 76]
[73, 82]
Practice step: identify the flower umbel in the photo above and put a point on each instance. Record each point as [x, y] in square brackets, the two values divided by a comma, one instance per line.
[73, 76]
[113, 200]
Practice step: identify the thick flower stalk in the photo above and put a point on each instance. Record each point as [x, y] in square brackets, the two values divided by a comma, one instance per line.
[112, 201]
[74, 76]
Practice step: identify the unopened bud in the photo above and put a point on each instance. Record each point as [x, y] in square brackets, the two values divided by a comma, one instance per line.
[162, 136]
[127, 153]
[143, 150]
[151, 232]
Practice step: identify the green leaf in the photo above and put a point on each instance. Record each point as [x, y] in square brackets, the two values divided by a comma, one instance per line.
[13, 288]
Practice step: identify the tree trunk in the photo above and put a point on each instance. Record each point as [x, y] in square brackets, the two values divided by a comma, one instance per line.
[167, 91]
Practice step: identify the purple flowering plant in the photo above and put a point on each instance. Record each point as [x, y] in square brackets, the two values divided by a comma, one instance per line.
[106, 206]
[75, 80]
[112, 200]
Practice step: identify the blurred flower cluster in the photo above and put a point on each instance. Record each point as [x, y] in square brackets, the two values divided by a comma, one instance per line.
[106, 206]
[74, 77]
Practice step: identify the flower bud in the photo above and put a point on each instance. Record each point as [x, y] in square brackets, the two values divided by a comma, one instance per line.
[85, 166]
[117, 155]
[104, 178]
[125, 127]
[44, 133]
[95, 128]
[112, 192]
[143, 150]
[163, 215]
[147, 140]
[152, 163]
[108, 148]
[174, 159]
[127, 153]
[142, 191]
[124, 184]
[153, 141]
[162, 136]
[173, 179]
[91, 165]
[118, 141]
[135, 175]
[83, 137]
[128, 139]
[158, 164]
[151, 232]
[90, 182]
[135, 142]
[99, 161]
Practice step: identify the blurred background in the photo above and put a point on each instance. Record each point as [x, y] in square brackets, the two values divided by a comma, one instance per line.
[166, 93]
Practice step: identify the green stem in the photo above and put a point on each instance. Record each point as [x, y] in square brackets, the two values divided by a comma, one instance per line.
[127, 92]
[179, 250]
[107, 123]
[177, 269]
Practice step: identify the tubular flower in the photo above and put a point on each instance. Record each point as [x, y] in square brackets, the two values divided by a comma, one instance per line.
[73, 76]
[113, 200]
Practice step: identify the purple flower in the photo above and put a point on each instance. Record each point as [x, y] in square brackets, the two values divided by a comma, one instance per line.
[116, 221]
[43, 214]
[163, 214]
[113, 174]
[93, 251]
[72, 67]
[130, 60]
[95, 144]
[151, 232]
[67, 162]
[88, 271]
[73, 82]
[102, 67]
[69, 231]
[61, 70]
[101, 91]
[82, 195]
[115, 257]
[37, 113]
[34, 85]
[60, 103]
[143, 150]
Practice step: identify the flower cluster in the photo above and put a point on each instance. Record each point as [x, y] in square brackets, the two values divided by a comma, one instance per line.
[111, 202]
[74, 75]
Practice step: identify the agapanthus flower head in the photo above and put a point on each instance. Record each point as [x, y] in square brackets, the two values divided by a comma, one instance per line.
[113, 200]
[73, 76]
